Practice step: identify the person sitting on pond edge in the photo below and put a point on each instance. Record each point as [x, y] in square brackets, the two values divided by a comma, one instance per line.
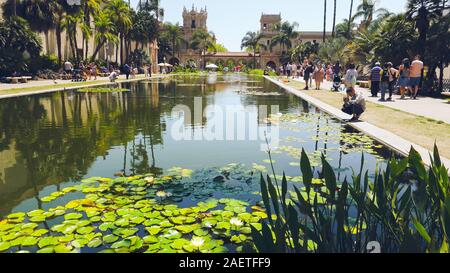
[354, 104]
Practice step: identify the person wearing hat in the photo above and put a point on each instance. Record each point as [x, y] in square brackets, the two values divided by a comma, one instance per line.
[375, 79]
[393, 75]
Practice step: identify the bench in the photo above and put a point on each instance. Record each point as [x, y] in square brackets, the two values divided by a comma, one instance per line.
[23, 79]
[364, 84]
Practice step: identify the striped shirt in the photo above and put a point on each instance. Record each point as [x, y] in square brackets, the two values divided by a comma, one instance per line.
[375, 75]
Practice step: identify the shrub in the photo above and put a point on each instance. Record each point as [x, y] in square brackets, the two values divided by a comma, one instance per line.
[406, 208]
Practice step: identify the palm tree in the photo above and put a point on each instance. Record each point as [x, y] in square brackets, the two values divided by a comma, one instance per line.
[251, 41]
[105, 31]
[70, 23]
[202, 41]
[121, 16]
[334, 19]
[367, 11]
[286, 33]
[422, 12]
[350, 19]
[324, 21]
[155, 6]
[344, 29]
[41, 16]
[174, 34]
[91, 7]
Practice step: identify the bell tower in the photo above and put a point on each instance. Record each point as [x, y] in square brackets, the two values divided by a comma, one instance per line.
[193, 20]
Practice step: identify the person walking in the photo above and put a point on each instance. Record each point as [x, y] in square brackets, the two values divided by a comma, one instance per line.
[309, 70]
[403, 81]
[288, 70]
[375, 79]
[294, 70]
[319, 76]
[127, 70]
[351, 76]
[384, 83]
[337, 69]
[393, 76]
[415, 75]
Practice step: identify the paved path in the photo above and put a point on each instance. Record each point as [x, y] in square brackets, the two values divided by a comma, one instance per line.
[50, 85]
[387, 138]
[437, 109]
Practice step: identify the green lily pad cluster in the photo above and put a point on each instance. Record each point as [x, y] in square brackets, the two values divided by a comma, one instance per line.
[319, 129]
[127, 215]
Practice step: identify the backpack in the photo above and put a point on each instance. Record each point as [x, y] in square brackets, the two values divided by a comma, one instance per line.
[385, 75]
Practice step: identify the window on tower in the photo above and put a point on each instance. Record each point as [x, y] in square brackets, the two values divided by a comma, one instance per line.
[193, 24]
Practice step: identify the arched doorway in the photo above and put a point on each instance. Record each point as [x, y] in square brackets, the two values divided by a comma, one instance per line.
[174, 61]
[230, 63]
[272, 65]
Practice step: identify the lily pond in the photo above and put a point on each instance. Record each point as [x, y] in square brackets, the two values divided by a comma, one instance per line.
[103, 172]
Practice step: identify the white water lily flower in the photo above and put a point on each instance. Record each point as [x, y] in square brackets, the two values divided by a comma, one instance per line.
[197, 241]
[161, 194]
[149, 179]
[236, 222]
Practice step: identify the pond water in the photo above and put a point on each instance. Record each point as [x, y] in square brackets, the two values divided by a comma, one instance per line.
[51, 142]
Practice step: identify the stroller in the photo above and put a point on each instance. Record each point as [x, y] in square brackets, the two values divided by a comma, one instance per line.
[336, 83]
[78, 75]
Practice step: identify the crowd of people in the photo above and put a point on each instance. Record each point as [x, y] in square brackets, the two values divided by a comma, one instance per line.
[384, 79]
[87, 71]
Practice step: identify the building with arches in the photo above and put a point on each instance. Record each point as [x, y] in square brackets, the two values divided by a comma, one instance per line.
[195, 19]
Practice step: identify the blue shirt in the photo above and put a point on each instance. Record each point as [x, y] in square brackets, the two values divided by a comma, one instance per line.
[375, 75]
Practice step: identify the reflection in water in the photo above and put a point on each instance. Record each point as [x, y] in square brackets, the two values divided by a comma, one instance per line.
[63, 137]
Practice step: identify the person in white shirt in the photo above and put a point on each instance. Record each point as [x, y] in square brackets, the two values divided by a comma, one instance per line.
[68, 67]
[113, 76]
[294, 71]
[354, 104]
[351, 76]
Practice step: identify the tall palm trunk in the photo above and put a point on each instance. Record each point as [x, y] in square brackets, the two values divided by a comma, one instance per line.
[97, 49]
[87, 23]
[14, 6]
[58, 41]
[334, 19]
[121, 48]
[324, 20]
[350, 20]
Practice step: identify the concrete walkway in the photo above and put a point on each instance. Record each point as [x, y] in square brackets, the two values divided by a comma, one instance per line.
[385, 137]
[437, 109]
[49, 85]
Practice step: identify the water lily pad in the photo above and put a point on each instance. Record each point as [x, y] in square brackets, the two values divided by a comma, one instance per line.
[4, 246]
[95, 243]
[73, 216]
[121, 244]
[153, 230]
[48, 241]
[110, 238]
[29, 241]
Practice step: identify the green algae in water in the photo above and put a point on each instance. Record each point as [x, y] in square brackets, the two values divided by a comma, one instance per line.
[102, 90]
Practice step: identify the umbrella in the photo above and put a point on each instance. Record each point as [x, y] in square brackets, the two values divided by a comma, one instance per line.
[212, 66]
[165, 65]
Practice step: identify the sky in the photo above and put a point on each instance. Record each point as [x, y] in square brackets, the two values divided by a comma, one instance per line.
[231, 19]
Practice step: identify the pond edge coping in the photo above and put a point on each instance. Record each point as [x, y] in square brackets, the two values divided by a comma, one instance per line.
[51, 90]
[383, 136]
